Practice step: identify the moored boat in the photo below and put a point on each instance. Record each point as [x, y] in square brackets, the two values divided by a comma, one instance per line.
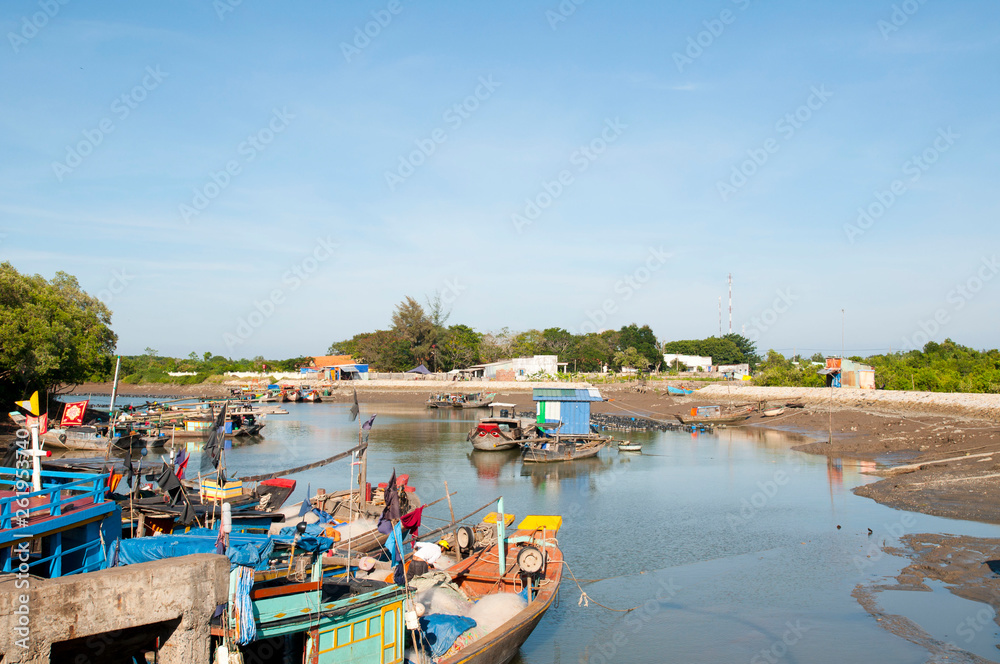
[475, 400]
[526, 563]
[714, 416]
[629, 446]
[495, 434]
[773, 412]
[556, 447]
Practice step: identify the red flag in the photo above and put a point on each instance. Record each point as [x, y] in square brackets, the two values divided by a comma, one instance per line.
[73, 413]
[42, 421]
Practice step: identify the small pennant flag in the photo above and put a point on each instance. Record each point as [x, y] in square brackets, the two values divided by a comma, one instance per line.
[307, 503]
[180, 463]
[355, 409]
[42, 422]
[368, 425]
[31, 405]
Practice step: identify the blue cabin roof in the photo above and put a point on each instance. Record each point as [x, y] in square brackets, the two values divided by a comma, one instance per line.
[566, 394]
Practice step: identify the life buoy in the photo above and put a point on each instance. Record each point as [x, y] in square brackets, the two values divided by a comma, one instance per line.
[62, 438]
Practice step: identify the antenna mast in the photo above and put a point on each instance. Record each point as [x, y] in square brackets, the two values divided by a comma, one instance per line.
[730, 303]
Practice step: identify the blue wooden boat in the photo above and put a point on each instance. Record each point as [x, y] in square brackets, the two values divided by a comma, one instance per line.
[678, 391]
[65, 528]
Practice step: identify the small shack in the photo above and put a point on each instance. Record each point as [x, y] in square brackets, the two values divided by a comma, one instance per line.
[568, 406]
[841, 372]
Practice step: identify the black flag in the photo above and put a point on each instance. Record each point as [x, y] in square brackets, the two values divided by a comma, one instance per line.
[354, 409]
[171, 486]
[216, 437]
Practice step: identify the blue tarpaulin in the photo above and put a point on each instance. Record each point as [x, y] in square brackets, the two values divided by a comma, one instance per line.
[247, 550]
[441, 629]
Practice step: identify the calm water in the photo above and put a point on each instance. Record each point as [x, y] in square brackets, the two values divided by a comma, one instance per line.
[727, 542]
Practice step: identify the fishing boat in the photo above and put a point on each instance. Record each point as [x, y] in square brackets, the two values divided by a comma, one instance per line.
[714, 416]
[359, 519]
[91, 438]
[678, 391]
[475, 400]
[773, 412]
[311, 396]
[495, 434]
[290, 394]
[557, 447]
[526, 563]
[446, 400]
[629, 446]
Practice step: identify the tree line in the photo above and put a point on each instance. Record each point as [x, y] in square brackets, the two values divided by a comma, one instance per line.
[52, 333]
[421, 335]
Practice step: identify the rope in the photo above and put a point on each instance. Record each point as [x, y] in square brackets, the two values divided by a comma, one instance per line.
[246, 627]
[585, 599]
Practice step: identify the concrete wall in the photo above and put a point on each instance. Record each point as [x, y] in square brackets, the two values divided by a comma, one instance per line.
[96, 603]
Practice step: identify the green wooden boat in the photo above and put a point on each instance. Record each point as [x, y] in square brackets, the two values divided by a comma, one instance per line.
[325, 620]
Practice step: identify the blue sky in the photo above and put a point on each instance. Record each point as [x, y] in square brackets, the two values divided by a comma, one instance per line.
[267, 180]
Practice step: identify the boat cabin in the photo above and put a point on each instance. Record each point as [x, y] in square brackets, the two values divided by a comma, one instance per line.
[565, 411]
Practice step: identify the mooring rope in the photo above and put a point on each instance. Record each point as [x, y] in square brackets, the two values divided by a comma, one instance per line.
[586, 599]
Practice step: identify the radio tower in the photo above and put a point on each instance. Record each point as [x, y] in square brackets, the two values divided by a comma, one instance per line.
[720, 317]
[730, 303]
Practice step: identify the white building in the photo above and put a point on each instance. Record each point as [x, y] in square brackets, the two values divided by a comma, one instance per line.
[517, 368]
[692, 362]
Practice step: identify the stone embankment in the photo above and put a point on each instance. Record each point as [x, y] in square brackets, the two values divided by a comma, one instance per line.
[985, 406]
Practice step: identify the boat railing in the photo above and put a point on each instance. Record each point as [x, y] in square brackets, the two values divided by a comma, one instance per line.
[59, 488]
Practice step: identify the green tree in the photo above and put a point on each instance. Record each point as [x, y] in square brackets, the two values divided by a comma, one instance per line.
[411, 322]
[51, 333]
[460, 347]
[642, 340]
[631, 358]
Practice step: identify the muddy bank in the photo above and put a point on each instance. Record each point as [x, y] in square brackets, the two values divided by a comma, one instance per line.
[964, 564]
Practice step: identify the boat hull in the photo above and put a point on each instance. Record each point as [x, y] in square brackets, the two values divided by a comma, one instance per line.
[477, 579]
[545, 451]
[712, 421]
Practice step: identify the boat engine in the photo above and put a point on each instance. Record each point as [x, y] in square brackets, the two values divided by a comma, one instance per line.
[466, 540]
[531, 562]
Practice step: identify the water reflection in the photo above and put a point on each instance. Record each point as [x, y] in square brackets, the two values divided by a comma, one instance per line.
[489, 464]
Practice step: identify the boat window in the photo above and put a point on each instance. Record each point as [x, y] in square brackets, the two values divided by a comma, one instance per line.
[343, 635]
